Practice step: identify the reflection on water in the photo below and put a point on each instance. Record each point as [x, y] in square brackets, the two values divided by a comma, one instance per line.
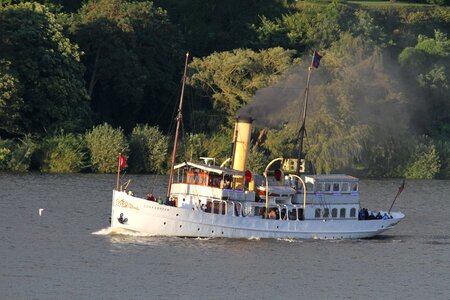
[69, 252]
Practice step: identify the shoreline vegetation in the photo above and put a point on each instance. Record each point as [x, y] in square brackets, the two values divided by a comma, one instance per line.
[81, 81]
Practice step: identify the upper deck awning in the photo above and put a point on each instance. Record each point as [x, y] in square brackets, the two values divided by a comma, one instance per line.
[330, 178]
[210, 169]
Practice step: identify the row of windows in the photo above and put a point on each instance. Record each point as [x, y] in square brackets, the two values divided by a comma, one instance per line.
[336, 187]
[237, 209]
[325, 213]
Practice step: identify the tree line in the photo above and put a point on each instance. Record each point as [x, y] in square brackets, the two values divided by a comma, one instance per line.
[77, 75]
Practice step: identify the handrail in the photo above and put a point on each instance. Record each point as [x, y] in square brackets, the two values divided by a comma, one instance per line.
[304, 191]
[267, 182]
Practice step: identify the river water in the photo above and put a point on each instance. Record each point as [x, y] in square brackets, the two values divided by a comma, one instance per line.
[68, 252]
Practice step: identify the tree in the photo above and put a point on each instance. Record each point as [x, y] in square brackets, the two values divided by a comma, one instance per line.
[41, 77]
[306, 28]
[363, 105]
[217, 26]
[132, 58]
[230, 79]
[429, 63]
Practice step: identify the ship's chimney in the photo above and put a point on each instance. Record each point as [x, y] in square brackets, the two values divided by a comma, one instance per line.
[241, 144]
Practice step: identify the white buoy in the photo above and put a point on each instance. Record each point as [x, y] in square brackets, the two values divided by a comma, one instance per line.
[40, 211]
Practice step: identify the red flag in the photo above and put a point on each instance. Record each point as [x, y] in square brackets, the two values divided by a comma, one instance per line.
[316, 59]
[122, 161]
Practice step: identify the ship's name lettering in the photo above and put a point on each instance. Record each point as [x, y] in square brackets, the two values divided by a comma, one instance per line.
[125, 204]
[156, 208]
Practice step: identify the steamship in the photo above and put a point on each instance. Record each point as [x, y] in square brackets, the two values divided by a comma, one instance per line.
[228, 201]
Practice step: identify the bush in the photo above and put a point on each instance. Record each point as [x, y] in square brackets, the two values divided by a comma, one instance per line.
[5, 154]
[104, 144]
[194, 146]
[443, 148]
[148, 148]
[424, 162]
[64, 153]
[16, 155]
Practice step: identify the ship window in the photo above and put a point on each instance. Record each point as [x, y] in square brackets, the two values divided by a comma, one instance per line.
[318, 187]
[260, 211]
[354, 187]
[208, 207]
[317, 213]
[219, 208]
[214, 181]
[352, 212]
[327, 187]
[334, 212]
[230, 208]
[344, 187]
[238, 208]
[283, 214]
[300, 214]
[293, 214]
[335, 187]
[326, 213]
[342, 213]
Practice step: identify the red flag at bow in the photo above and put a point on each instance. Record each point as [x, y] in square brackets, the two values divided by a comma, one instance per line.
[122, 161]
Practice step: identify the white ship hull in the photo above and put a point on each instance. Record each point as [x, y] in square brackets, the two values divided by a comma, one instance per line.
[151, 218]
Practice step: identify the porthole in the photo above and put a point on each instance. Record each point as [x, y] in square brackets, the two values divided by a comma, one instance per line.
[177, 215]
[278, 227]
[212, 231]
[198, 229]
[222, 232]
[181, 225]
[164, 223]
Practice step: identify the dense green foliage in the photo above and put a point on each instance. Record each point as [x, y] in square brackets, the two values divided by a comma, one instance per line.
[148, 148]
[41, 77]
[424, 162]
[105, 143]
[379, 103]
[63, 153]
[131, 54]
[16, 156]
[230, 79]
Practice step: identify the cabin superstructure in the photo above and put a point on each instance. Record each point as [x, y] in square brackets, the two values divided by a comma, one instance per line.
[327, 196]
[208, 181]
[330, 196]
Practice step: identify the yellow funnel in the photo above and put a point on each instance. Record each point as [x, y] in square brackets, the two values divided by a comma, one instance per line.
[243, 129]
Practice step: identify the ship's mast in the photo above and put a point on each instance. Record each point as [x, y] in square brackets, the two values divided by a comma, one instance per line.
[302, 130]
[179, 116]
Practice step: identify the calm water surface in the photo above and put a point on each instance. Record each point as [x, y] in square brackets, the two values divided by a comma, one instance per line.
[67, 253]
